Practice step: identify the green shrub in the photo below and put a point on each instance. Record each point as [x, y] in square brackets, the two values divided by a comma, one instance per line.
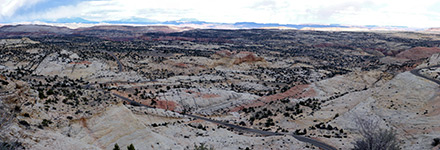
[10, 146]
[436, 142]
[130, 147]
[202, 146]
[116, 147]
[46, 122]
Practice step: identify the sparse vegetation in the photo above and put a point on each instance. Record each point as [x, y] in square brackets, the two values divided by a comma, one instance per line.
[130, 147]
[5, 117]
[46, 122]
[435, 142]
[24, 123]
[10, 146]
[267, 80]
[116, 147]
[373, 137]
[202, 146]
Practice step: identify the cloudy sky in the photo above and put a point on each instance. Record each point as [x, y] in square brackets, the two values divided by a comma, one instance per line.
[421, 13]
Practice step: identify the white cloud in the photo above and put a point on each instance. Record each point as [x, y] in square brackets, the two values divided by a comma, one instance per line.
[9, 7]
[361, 12]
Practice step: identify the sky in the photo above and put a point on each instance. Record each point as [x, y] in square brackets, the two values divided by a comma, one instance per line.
[421, 13]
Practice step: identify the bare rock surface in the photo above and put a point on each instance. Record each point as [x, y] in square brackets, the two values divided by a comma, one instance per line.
[406, 103]
[60, 90]
[17, 41]
[118, 125]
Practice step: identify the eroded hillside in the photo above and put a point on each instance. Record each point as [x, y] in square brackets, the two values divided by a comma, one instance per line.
[95, 87]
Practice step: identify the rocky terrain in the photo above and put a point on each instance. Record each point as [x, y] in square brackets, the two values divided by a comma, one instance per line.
[164, 87]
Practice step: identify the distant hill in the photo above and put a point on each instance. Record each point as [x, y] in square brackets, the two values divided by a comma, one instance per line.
[111, 32]
[297, 26]
[434, 29]
[35, 28]
[191, 22]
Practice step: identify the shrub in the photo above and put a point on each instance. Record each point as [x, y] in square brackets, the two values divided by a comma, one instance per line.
[116, 147]
[25, 123]
[46, 122]
[269, 122]
[10, 146]
[436, 142]
[4, 82]
[41, 95]
[202, 146]
[373, 137]
[26, 115]
[130, 147]
[50, 92]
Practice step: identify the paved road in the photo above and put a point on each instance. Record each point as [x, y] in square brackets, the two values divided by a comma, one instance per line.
[117, 61]
[314, 142]
[131, 102]
[317, 143]
[267, 133]
[261, 132]
[417, 73]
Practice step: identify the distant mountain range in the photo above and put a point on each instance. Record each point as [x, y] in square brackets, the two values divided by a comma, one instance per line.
[110, 32]
[238, 25]
[187, 23]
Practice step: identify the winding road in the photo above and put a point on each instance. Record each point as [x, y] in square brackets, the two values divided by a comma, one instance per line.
[314, 142]
[117, 61]
[416, 72]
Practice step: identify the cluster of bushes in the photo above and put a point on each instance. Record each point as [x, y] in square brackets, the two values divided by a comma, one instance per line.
[130, 147]
[10, 146]
[202, 146]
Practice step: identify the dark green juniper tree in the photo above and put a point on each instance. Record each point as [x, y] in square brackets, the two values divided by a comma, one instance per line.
[116, 147]
[130, 147]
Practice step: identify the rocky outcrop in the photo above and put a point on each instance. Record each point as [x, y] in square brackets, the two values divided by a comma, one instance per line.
[17, 42]
[249, 57]
[117, 125]
[233, 58]
[204, 101]
[66, 63]
[407, 104]
[434, 60]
